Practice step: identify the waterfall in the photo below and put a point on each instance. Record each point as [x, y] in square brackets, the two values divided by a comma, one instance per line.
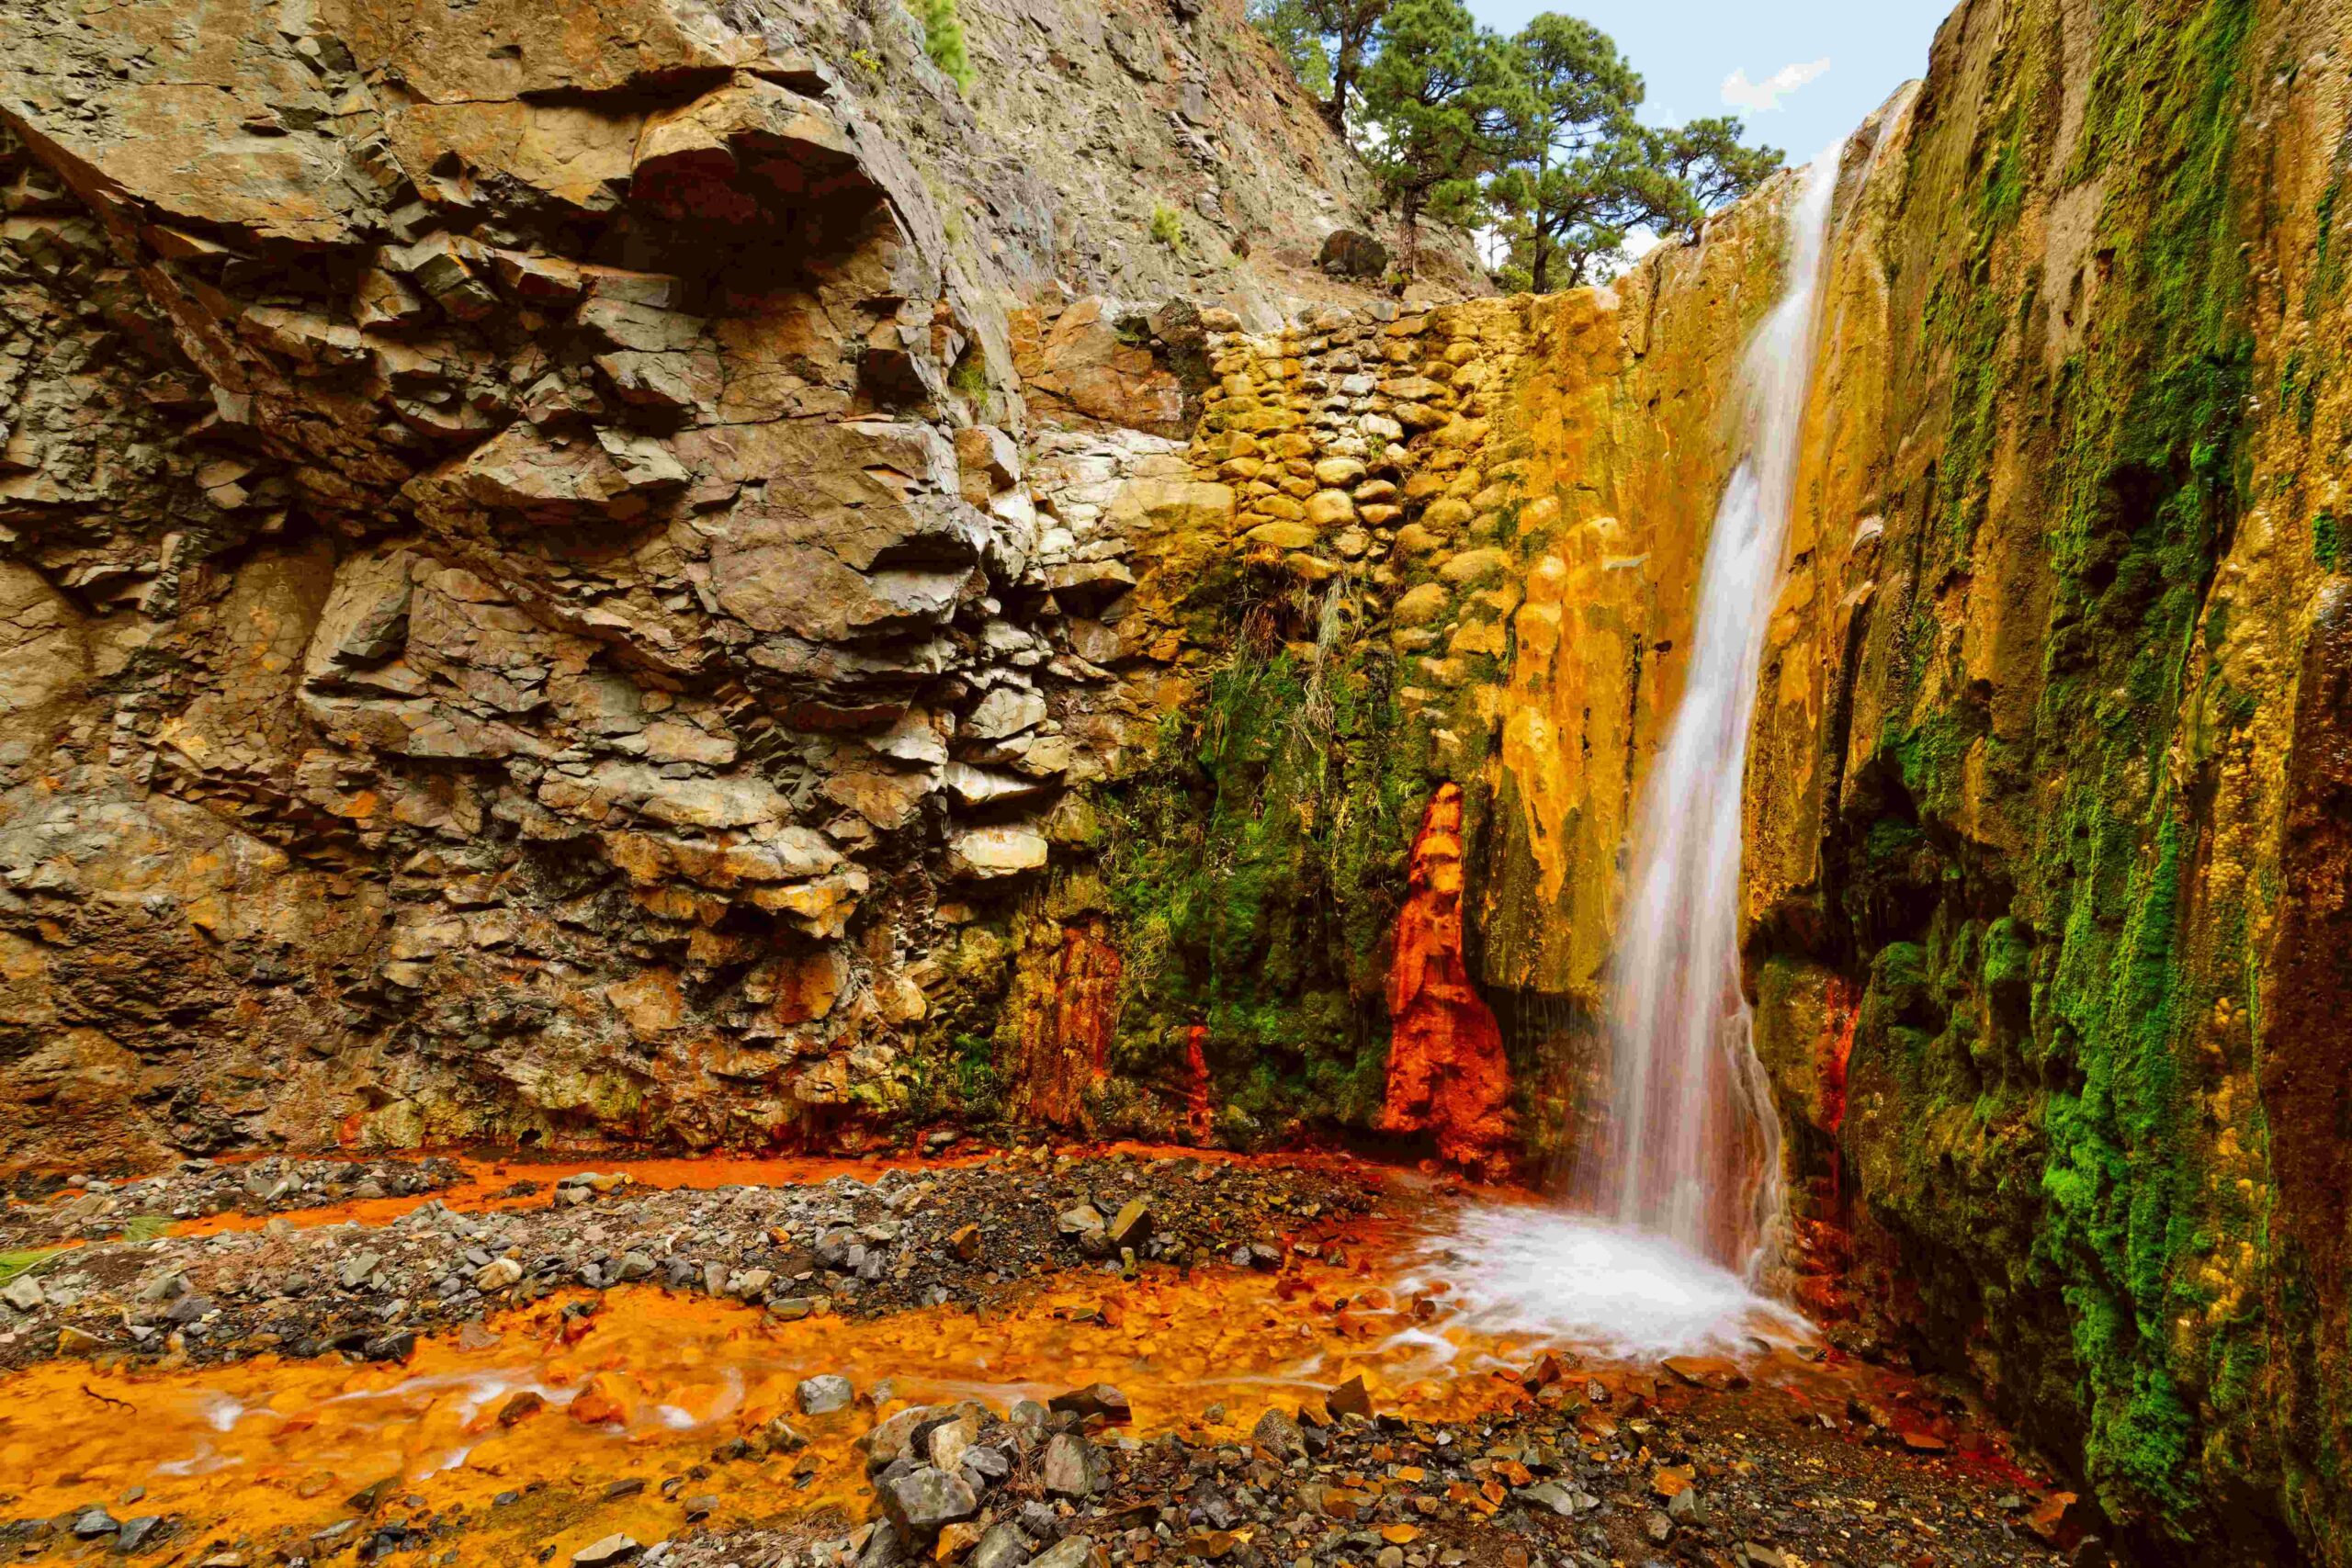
[1695, 1153]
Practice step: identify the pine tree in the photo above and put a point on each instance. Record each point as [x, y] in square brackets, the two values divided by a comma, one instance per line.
[1445, 105]
[1588, 173]
[1327, 43]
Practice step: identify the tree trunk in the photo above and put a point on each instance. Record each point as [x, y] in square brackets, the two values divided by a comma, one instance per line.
[1345, 64]
[1541, 271]
[1412, 254]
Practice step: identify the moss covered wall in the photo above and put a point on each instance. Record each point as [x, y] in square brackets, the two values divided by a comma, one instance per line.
[2036, 727]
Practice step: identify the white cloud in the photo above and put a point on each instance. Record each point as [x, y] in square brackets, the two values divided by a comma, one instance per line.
[1763, 97]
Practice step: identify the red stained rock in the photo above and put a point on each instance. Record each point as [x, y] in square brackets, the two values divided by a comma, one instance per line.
[1447, 1074]
[1197, 1116]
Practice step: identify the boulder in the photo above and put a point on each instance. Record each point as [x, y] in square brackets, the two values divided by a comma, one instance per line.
[1073, 1467]
[1351, 253]
[921, 1501]
[823, 1395]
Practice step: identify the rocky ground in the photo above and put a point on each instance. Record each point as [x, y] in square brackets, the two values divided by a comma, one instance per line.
[1699, 1475]
[1780, 1462]
[906, 1239]
[44, 1207]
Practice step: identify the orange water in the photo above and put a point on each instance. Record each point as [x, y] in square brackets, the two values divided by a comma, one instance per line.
[247, 1449]
[254, 1455]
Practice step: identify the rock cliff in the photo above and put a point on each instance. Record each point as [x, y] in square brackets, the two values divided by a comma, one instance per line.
[554, 555]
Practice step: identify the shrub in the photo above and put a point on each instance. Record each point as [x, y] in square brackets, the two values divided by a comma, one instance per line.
[943, 36]
[1167, 225]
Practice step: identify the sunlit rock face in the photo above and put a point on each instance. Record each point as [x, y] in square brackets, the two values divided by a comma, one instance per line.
[533, 577]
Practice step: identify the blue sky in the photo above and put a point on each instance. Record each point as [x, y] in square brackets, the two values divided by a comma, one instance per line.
[1822, 64]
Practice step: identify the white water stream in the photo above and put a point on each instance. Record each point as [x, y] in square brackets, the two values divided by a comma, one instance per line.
[1697, 1152]
[1683, 1206]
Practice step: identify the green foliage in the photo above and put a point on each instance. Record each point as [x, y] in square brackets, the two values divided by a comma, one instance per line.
[1255, 871]
[1711, 167]
[943, 39]
[1326, 43]
[1536, 136]
[2327, 540]
[12, 1264]
[1446, 106]
[147, 1227]
[1167, 225]
[978, 1085]
[1587, 173]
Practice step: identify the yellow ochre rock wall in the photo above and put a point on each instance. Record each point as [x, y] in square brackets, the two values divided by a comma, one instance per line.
[2048, 892]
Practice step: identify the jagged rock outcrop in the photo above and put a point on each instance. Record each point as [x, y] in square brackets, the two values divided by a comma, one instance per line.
[536, 600]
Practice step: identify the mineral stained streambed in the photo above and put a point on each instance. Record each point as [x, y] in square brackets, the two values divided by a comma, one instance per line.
[543, 1429]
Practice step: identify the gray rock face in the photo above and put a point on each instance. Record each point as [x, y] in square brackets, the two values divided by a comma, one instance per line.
[486, 688]
[925, 1499]
[1073, 1468]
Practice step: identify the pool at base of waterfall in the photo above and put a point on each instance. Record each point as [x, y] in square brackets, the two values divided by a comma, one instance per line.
[1530, 1271]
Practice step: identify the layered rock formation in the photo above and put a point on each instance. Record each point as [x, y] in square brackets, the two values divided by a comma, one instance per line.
[538, 605]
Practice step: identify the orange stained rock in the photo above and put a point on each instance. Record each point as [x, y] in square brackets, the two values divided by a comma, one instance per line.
[1066, 1035]
[1447, 1074]
[1843, 1014]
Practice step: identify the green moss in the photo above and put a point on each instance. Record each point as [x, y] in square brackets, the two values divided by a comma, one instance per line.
[22, 1262]
[2327, 540]
[2038, 1015]
[1255, 871]
[979, 1087]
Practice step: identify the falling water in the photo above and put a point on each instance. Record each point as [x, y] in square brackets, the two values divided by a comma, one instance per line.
[1696, 1145]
